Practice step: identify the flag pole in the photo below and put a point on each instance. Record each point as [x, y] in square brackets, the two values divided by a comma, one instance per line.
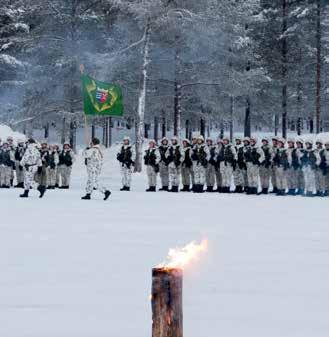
[86, 130]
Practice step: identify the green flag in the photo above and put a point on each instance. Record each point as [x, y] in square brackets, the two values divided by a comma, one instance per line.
[101, 98]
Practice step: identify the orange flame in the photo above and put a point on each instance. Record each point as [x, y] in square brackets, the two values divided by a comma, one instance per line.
[181, 257]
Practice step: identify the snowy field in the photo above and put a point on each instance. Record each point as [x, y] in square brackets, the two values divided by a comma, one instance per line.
[83, 269]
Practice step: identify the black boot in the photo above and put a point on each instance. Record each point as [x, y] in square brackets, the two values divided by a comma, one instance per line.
[275, 190]
[210, 189]
[319, 194]
[151, 189]
[106, 195]
[164, 188]
[124, 188]
[25, 194]
[174, 189]
[56, 186]
[186, 188]
[300, 191]
[238, 189]
[42, 190]
[86, 197]
[291, 191]
[265, 191]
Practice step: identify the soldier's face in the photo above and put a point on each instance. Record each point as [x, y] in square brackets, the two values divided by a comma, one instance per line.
[265, 142]
[209, 142]
[174, 142]
[238, 142]
[252, 143]
[152, 145]
[44, 147]
[194, 141]
[327, 146]
[291, 145]
[66, 147]
[308, 146]
[185, 144]
[164, 142]
[200, 142]
[319, 145]
[274, 142]
[225, 142]
[126, 142]
[299, 145]
[245, 143]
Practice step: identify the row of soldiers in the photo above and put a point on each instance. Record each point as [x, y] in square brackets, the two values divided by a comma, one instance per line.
[292, 167]
[53, 168]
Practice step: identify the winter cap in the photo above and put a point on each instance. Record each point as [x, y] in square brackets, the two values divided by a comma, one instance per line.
[275, 138]
[319, 141]
[195, 135]
[209, 139]
[174, 138]
[309, 141]
[226, 138]
[238, 138]
[186, 141]
[253, 139]
[126, 138]
[290, 140]
[152, 141]
[200, 137]
[31, 141]
[164, 139]
[265, 139]
[246, 139]
[10, 139]
[326, 142]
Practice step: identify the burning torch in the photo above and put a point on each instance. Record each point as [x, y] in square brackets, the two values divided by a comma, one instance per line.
[167, 290]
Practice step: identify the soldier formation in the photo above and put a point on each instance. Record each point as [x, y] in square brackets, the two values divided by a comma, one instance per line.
[290, 167]
[283, 167]
[29, 164]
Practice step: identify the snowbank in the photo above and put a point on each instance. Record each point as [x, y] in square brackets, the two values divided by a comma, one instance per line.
[6, 131]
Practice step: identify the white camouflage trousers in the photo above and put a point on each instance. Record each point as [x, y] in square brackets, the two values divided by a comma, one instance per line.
[309, 176]
[126, 174]
[29, 175]
[210, 176]
[300, 179]
[199, 174]
[273, 177]
[320, 181]
[219, 179]
[281, 178]
[265, 176]
[151, 176]
[51, 176]
[65, 175]
[238, 177]
[174, 175]
[164, 174]
[226, 171]
[5, 175]
[19, 173]
[292, 175]
[252, 175]
[93, 180]
[186, 176]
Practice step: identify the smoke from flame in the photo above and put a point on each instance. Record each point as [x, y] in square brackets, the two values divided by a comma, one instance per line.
[181, 257]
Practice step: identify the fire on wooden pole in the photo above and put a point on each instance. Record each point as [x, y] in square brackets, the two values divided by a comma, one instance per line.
[167, 290]
[167, 302]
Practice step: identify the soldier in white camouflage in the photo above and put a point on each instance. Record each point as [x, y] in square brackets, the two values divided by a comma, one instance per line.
[32, 164]
[174, 159]
[228, 159]
[186, 166]
[325, 166]
[66, 160]
[292, 171]
[200, 158]
[299, 170]
[320, 180]
[163, 165]
[254, 157]
[281, 165]
[12, 147]
[126, 158]
[7, 162]
[94, 162]
[151, 160]
[309, 162]
[240, 172]
[211, 168]
[53, 161]
[273, 169]
[19, 153]
[218, 174]
[266, 166]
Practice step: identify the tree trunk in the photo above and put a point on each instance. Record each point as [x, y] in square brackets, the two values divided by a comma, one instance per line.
[178, 89]
[164, 127]
[142, 98]
[247, 119]
[284, 68]
[73, 136]
[231, 117]
[93, 131]
[110, 132]
[318, 66]
[156, 129]
[167, 302]
[47, 131]
[202, 127]
[187, 129]
[63, 131]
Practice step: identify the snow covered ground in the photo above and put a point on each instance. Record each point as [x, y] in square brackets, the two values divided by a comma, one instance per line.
[83, 269]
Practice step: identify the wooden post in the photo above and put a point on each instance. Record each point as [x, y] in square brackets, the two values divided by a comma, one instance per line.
[167, 302]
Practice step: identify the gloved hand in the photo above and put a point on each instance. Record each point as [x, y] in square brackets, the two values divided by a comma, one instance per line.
[39, 169]
[20, 167]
